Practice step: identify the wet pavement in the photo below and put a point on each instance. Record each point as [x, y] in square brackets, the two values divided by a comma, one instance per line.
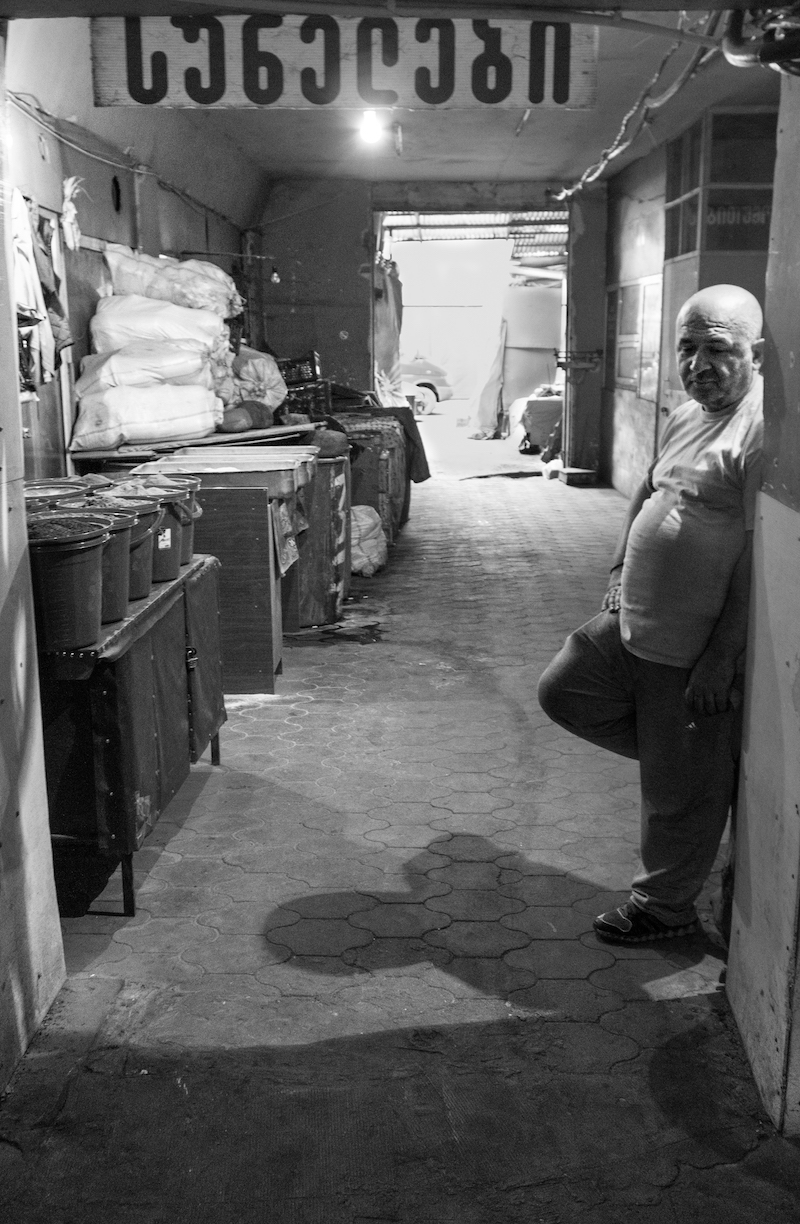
[361, 983]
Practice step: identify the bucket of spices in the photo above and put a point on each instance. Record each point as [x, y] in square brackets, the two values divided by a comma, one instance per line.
[116, 554]
[48, 494]
[66, 551]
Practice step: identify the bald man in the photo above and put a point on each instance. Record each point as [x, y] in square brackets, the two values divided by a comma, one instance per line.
[657, 675]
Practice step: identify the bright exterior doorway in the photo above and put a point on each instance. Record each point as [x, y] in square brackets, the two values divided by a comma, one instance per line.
[482, 307]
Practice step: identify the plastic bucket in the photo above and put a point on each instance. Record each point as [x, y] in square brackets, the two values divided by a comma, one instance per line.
[188, 513]
[66, 552]
[194, 510]
[168, 541]
[116, 554]
[149, 516]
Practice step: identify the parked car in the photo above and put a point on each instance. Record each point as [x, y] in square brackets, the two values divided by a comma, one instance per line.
[424, 374]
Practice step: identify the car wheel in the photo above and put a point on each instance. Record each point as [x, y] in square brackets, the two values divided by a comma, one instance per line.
[426, 400]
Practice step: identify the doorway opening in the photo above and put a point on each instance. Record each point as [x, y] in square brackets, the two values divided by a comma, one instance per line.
[469, 310]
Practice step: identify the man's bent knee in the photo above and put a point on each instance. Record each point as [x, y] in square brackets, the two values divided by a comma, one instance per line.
[554, 693]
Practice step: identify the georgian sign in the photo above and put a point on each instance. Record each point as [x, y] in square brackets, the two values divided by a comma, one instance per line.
[325, 62]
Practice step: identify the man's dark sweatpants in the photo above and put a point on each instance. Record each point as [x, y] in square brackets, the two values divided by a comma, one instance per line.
[598, 690]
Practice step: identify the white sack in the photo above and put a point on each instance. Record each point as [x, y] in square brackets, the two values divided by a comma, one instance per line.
[144, 414]
[144, 363]
[193, 283]
[120, 320]
[370, 551]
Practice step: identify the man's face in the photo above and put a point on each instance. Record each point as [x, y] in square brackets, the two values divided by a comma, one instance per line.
[717, 360]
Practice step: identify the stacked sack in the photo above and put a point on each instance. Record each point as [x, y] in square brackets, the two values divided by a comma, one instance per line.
[162, 367]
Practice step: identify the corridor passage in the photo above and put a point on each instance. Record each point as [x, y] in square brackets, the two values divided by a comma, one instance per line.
[361, 983]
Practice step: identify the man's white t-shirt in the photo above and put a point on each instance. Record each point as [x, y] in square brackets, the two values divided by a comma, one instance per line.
[686, 539]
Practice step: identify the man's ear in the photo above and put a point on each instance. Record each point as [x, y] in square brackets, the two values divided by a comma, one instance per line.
[758, 353]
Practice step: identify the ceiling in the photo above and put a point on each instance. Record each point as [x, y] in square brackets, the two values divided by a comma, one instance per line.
[502, 144]
[489, 145]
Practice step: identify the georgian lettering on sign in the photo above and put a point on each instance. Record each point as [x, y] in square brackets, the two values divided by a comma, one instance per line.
[321, 61]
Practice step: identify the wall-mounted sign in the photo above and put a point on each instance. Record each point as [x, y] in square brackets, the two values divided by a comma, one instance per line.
[330, 62]
[738, 219]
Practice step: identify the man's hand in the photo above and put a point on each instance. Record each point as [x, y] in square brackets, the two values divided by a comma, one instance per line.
[613, 595]
[710, 688]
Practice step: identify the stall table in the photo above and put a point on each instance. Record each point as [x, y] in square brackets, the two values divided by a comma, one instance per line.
[124, 718]
[314, 589]
[240, 494]
[380, 470]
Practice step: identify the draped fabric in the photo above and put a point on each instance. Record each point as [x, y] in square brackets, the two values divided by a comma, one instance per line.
[388, 317]
[489, 401]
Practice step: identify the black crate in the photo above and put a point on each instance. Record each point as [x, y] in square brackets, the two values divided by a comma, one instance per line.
[299, 370]
[312, 398]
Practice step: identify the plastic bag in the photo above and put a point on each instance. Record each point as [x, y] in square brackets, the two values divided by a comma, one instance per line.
[370, 551]
[193, 283]
[258, 377]
[144, 363]
[144, 414]
[120, 320]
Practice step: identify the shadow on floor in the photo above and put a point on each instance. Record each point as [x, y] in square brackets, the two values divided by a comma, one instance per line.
[484, 915]
[513, 1121]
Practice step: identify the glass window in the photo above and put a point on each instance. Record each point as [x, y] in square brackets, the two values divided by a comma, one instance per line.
[683, 162]
[672, 237]
[674, 153]
[689, 211]
[634, 347]
[743, 148]
[693, 142]
[651, 341]
[630, 310]
[628, 363]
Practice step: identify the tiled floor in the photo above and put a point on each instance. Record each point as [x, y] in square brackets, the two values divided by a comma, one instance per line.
[361, 983]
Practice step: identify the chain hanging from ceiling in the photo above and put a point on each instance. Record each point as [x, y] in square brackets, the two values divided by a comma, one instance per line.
[649, 101]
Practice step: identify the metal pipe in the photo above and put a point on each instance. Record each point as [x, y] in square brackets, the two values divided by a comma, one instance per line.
[767, 50]
[500, 12]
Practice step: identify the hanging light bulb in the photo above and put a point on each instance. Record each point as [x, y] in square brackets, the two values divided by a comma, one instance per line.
[275, 276]
[371, 130]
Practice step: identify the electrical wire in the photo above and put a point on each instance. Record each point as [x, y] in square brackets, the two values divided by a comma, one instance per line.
[642, 108]
[48, 121]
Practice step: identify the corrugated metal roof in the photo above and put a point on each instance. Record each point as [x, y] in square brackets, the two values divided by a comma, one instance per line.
[541, 232]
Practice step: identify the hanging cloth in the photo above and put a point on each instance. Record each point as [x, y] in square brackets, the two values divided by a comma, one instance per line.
[32, 318]
[42, 230]
[388, 318]
[490, 401]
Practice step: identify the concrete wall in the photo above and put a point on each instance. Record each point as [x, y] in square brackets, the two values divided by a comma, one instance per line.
[320, 234]
[50, 59]
[586, 309]
[763, 971]
[31, 957]
[533, 315]
[635, 252]
[150, 215]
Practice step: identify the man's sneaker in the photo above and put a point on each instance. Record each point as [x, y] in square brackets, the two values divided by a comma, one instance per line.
[630, 924]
